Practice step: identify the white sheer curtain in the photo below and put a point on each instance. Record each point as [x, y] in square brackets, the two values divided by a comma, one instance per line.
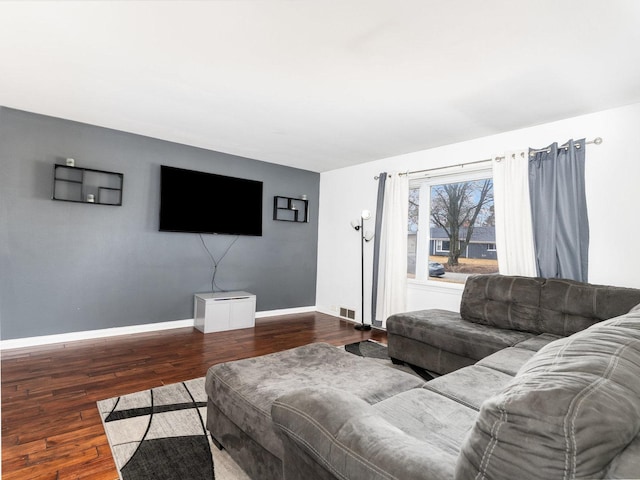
[514, 233]
[392, 289]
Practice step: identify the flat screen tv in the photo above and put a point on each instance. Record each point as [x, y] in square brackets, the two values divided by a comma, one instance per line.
[200, 202]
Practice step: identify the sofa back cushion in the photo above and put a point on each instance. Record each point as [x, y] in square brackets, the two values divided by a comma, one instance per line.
[568, 306]
[538, 305]
[503, 301]
[571, 409]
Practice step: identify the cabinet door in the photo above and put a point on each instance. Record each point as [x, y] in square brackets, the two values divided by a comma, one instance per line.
[218, 316]
[242, 314]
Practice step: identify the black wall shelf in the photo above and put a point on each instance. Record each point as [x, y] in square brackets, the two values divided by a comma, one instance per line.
[80, 185]
[288, 209]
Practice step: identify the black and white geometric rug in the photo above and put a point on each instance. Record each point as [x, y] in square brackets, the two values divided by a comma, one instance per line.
[160, 434]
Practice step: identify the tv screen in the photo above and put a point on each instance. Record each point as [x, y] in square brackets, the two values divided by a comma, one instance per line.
[200, 202]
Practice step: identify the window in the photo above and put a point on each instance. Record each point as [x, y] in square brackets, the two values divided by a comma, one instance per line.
[443, 246]
[451, 222]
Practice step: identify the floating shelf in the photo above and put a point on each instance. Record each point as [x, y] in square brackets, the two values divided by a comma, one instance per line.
[288, 209]
[80, 185]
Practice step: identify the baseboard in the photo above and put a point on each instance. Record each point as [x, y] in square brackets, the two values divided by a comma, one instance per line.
[112, 332]
[333, 313]
[285, 311]
[92, 334]
[377, 324]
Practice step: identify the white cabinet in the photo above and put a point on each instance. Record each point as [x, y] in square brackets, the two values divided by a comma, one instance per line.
[216, 312]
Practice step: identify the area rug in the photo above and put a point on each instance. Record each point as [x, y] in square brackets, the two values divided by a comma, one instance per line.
[160, 434]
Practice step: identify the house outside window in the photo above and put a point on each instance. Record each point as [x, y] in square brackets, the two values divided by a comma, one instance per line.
[451, 222]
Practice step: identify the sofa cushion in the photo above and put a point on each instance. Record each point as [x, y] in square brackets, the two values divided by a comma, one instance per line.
[536, 343]
[627, 464]
[568, 306]
[446, 330]
[432, 418]
[469, 386]
[539, 305]
[571, 409]
[502, 301]
[507, 360]
[355, 440]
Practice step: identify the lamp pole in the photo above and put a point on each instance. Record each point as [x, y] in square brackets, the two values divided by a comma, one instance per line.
[365, 215]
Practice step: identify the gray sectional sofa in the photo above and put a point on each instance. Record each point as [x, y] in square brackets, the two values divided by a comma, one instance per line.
[499, 311]
[570, 410]
[543, 405]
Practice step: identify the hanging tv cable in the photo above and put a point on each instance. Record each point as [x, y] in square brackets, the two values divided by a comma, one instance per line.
[215, 262]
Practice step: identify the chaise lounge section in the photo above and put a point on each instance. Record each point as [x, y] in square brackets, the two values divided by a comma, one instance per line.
[241, 393]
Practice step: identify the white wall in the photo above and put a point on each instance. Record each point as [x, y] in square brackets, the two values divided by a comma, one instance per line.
[613, 181]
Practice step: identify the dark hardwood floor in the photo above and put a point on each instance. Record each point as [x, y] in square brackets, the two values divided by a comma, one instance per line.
[50, 423]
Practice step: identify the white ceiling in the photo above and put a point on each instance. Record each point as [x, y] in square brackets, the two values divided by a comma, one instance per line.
[320, 84]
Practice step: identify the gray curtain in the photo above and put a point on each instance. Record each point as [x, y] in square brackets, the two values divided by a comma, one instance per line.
[559, 210]
[382, 179]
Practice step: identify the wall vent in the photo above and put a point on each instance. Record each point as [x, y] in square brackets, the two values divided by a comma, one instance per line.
[347, 313]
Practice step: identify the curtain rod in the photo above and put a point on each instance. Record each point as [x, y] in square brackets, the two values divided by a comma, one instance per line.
[595, 141]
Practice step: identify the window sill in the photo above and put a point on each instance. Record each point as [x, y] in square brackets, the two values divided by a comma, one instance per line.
[434, 285]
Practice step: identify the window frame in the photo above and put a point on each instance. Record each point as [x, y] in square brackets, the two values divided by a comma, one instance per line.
[440, 248]
[424, 182]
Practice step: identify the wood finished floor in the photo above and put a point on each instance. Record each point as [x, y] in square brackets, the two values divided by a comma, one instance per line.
[50, 423]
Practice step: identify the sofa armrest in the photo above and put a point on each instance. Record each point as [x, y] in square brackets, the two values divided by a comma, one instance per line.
[350, 439]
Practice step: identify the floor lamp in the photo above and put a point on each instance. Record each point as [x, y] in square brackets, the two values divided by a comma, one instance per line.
[358, 225]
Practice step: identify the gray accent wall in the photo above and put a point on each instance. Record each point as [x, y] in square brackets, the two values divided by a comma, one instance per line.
[69, 267]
